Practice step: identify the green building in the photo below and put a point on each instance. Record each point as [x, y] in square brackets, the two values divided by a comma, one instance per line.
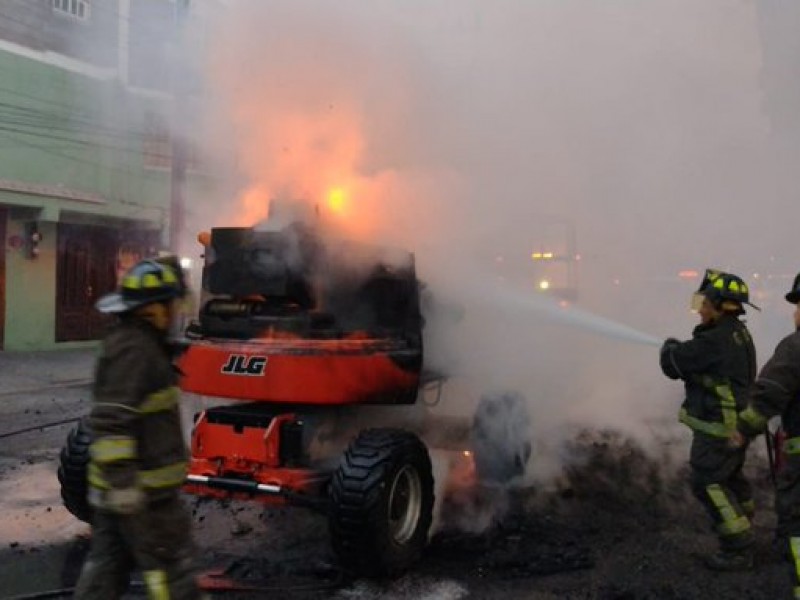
[86, 173]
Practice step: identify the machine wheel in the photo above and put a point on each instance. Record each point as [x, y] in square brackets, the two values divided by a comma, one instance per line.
[74, 461]
[381, 502]
[501, 438]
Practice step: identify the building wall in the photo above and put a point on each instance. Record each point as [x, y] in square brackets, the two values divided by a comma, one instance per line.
[30, 289]
[72, 130]
[71, 150]
[85, 110]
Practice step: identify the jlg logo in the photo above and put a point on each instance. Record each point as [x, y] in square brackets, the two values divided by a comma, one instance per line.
[241, 364]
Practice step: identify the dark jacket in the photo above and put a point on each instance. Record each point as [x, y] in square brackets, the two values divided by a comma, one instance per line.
[135, 418]
[776, 391]
[717, 365]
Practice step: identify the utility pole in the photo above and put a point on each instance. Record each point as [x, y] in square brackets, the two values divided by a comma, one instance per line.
[177, 212]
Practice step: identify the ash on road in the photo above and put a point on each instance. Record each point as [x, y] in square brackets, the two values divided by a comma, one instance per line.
[621, 524]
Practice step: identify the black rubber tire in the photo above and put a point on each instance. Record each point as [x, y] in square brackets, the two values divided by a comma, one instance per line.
[73, 464]
[501, 438]
[380, 471]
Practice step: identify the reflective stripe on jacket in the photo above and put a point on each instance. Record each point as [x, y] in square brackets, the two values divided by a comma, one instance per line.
[135, 417]
[717, 366]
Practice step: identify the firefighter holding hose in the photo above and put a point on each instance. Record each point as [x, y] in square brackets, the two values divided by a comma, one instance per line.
[717, 366]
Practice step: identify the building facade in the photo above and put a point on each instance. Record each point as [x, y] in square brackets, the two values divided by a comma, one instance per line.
[86, 170]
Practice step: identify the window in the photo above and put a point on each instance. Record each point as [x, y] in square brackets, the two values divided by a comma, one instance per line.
[74, 8]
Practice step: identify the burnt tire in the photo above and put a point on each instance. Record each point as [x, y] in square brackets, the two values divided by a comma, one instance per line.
[381, 503]
[73, 464]
[501, 438]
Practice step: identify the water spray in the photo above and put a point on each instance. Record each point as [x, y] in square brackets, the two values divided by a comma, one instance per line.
[510, 297]
[603, 326]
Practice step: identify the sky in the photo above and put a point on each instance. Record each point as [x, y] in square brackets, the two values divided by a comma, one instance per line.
[468, 132]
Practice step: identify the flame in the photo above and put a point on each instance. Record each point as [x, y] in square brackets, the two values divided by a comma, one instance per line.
[336, 200]
[253, 206]
[307, 126]
[317, 163]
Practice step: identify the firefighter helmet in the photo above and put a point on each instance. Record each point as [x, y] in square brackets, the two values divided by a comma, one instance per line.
[794, 294]
[722, 289]
[148, 281]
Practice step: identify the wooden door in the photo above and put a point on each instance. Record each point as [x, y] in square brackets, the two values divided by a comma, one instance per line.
[85, 270]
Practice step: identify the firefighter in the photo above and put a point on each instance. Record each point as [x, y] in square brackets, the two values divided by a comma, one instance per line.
[717, 366]
[777, 392]
[138, 457]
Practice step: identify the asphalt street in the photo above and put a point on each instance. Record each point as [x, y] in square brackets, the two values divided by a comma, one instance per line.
[622, 525]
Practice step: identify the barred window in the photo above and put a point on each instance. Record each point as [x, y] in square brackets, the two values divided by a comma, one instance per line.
[74, 8]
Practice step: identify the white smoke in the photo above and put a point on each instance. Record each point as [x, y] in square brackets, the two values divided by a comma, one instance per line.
[457, 126]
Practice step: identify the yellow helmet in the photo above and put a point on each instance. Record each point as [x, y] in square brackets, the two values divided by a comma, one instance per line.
[148, 281]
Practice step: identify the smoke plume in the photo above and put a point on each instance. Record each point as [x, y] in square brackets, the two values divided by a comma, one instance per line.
[458, 129]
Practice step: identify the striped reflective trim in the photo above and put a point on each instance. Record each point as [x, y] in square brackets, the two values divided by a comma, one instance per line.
[95, 477]
[732, 523]
[725, 394]
[727, 404]
[792, 445]
[150, 280]
[113, 448]
[157, 586]
[738, 525]
[794, 544]
[753, 418]
[131, 282]
[160, 401]
[169, 476]
[707, 427]
[168, 275]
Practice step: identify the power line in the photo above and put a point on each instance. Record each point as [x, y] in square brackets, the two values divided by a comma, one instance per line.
[88, 143]
[19, 115]
[71, 157]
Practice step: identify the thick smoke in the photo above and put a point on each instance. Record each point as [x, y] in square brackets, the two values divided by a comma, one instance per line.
[456, 128]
